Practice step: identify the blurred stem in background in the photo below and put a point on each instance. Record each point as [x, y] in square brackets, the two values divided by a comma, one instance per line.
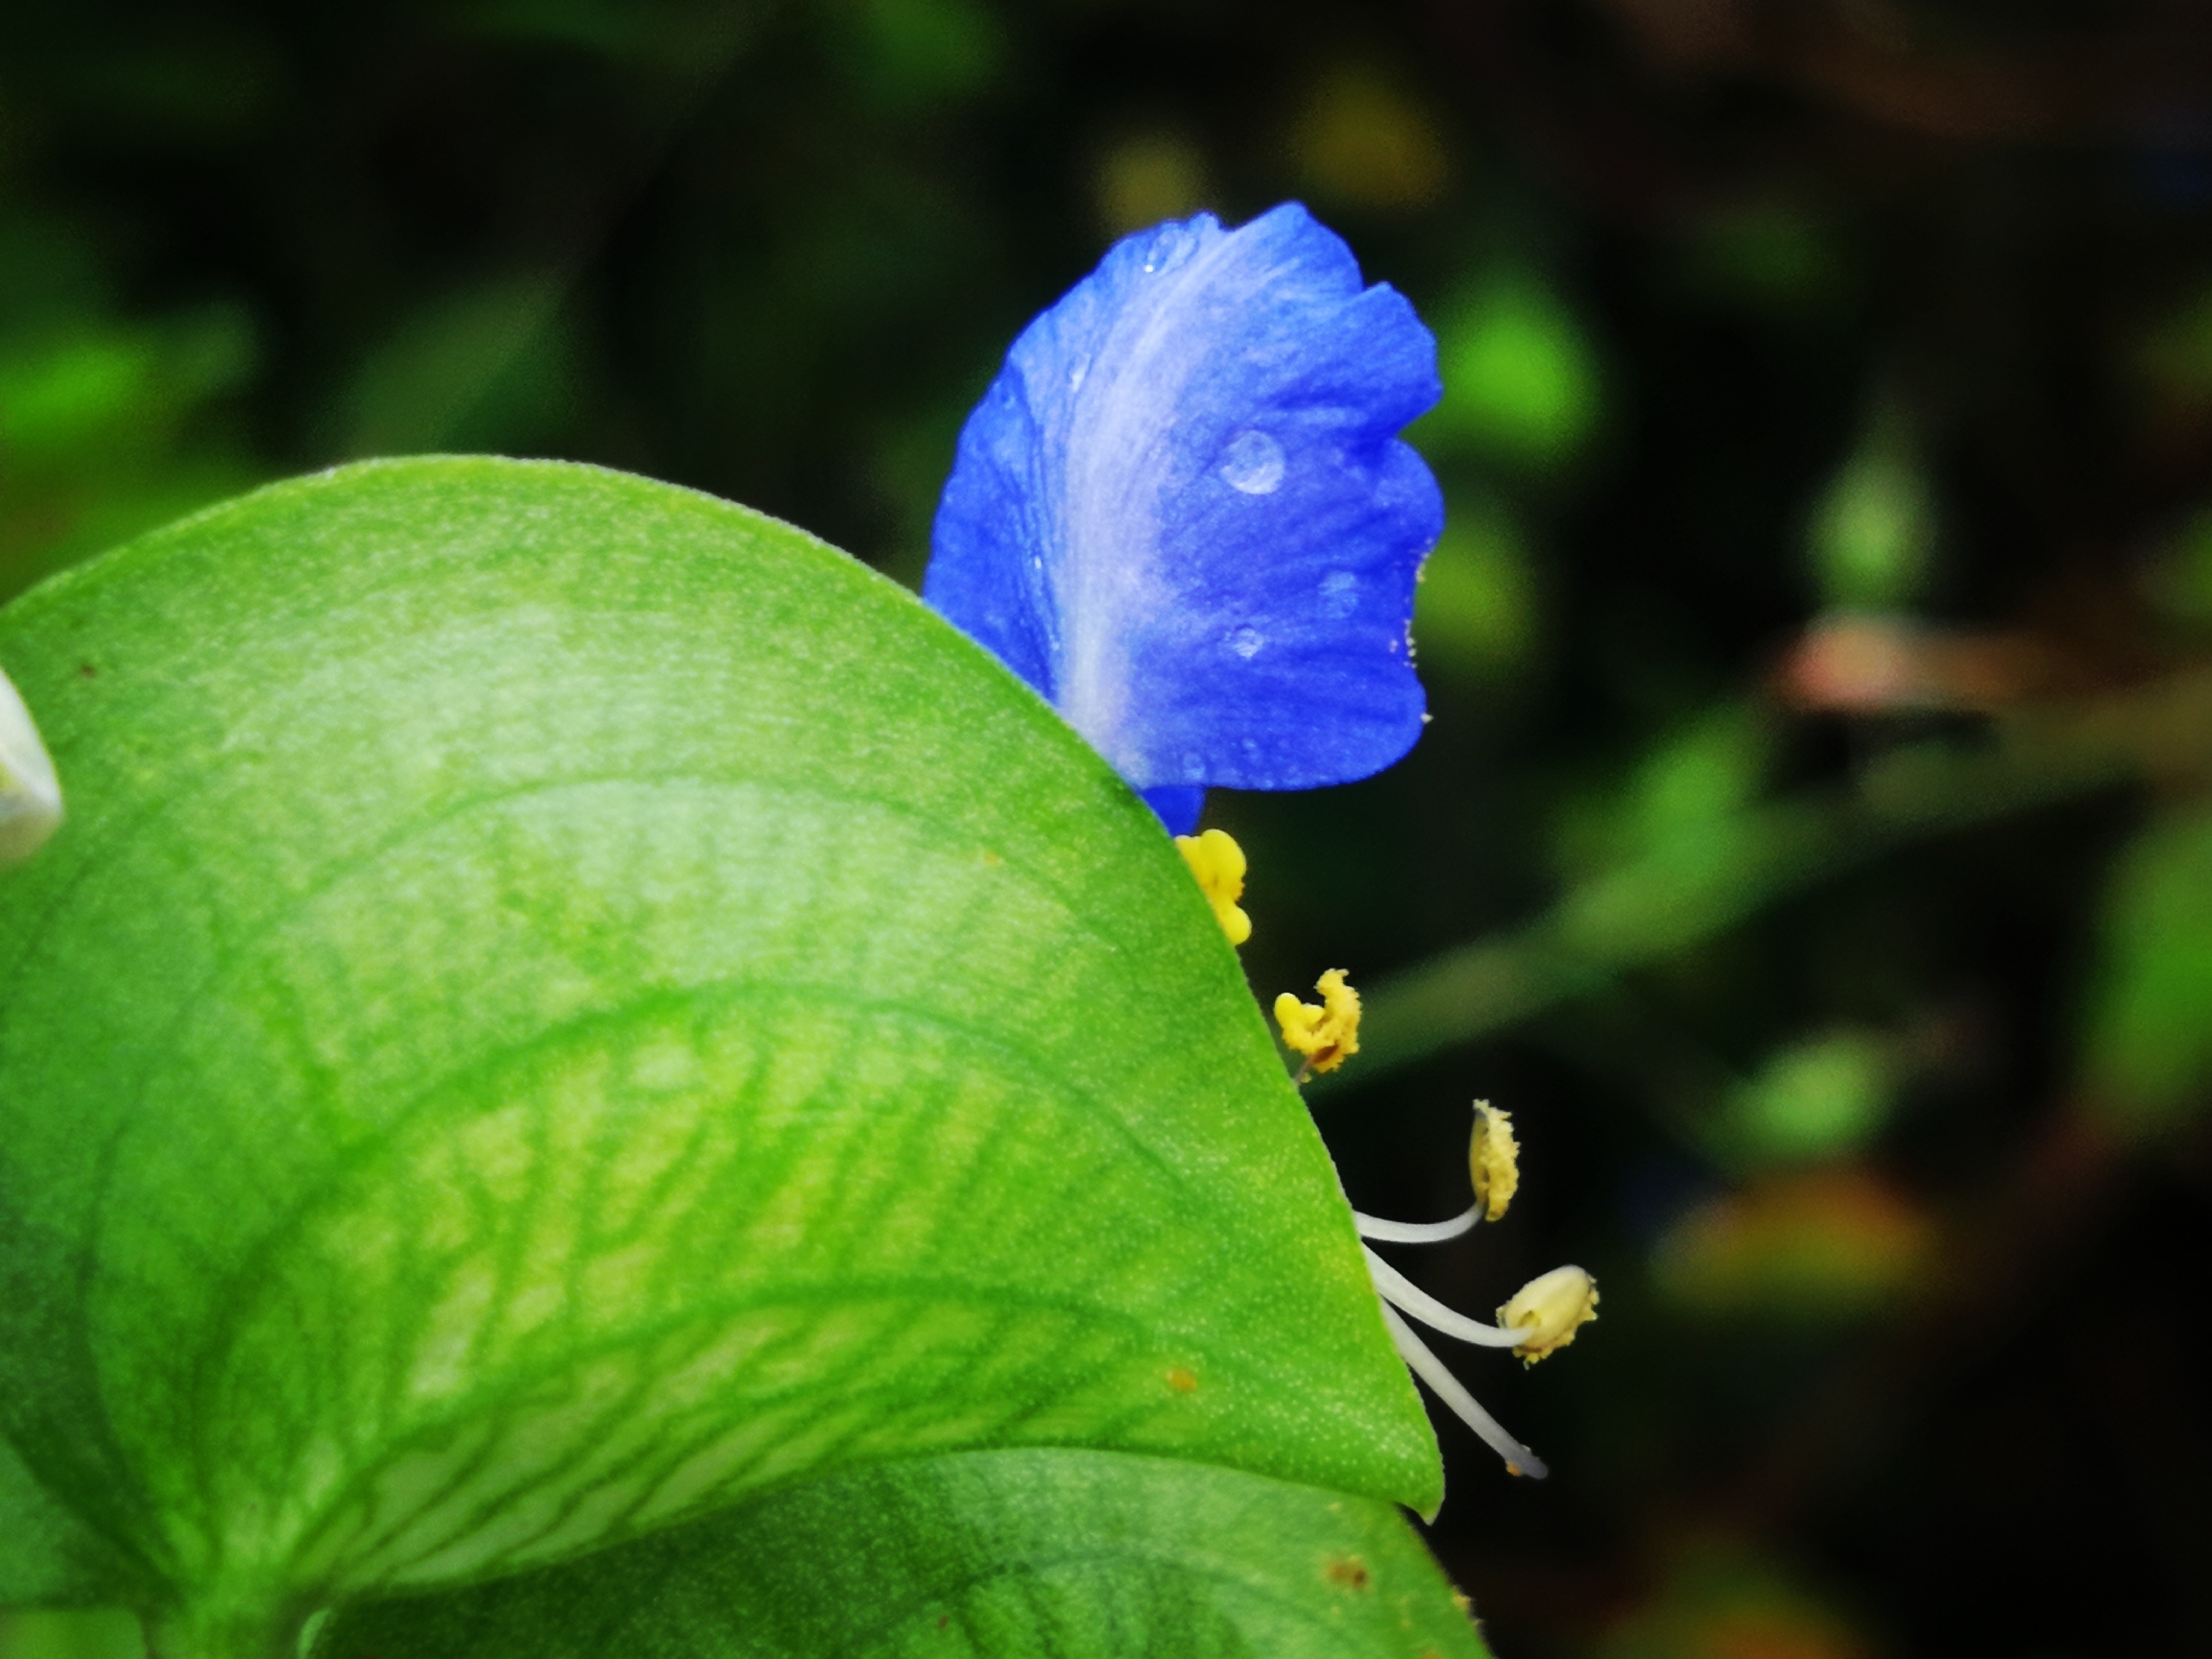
[1721, 873]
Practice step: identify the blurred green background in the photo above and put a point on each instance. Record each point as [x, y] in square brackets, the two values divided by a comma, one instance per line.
[1813, 846]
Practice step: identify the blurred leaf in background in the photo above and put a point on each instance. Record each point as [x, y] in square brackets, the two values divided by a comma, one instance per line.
[2149, 1042]
[1521, 385]
[1364, 142]
[487, 368]
[1682, 803]
[910, 54]
[1476, 613]
[1147, 176]
[1801, 1248]
[1813, 1101]
[1873, 531]
[1771, 256]
[1726, 1600]
[2180, 581]
[109, 428]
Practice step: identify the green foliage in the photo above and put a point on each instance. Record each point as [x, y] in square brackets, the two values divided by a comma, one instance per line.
[105, 1633]
[1520, 378]
[1814, 1101]
[1769, 257]
[49, 1557]
[2181, 585]
[562, 1004]
[913, 53]
[2150, 1039]
[1805, 1248]
[97, 425]
[1365, 143]
[1719, 1598]
[1476, 609]
[999, 1554]
[1683, 803]
[486, 368]
[1873, 531]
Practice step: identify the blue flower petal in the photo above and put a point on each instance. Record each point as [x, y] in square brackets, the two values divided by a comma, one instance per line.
[1176, 805]
[1183, 512]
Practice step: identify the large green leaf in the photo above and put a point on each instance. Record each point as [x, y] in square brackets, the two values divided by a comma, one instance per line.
[987, 1555]
[561, 1003]
[49, 1557]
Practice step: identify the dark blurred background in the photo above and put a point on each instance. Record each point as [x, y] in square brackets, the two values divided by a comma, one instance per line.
[1812, 846]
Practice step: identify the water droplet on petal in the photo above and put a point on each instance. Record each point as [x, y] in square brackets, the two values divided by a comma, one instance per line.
[1247, 643]
[1193, 768]
[1253, 462]
[1339, 595]
[1078, 374]
[1171, 245]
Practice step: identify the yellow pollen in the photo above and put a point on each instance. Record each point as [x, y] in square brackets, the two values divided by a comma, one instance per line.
[1550, 1309]
[1219, 863]
[1327, 1035]
[1493, 1160]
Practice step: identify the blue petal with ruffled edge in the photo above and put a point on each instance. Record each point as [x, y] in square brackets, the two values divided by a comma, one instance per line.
[1184, 515]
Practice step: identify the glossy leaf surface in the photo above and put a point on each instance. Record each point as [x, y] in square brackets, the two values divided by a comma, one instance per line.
[561, 1003]
[979, 1555]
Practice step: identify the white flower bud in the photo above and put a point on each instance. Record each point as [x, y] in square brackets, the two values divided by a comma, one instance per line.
[30, 795]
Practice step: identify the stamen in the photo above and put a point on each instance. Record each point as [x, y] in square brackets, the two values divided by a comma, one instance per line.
[1518, 1459]
[1394, 1286]
[1416, 1232]
[1219, 863]
[1547, 1311]
[1493, 1160]
[1328, 1033]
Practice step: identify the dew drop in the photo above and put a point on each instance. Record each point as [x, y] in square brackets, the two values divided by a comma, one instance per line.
[1170, 245]
[1253, 462]
[1247, 643]
[1339, 595]
[1193, 768]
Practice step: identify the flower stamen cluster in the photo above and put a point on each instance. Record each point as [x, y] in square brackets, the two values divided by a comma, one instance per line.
[1542, 1317]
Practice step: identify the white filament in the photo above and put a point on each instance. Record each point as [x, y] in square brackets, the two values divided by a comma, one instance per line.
[1396, 1287]
[1416, 1232]
[1431, 1371]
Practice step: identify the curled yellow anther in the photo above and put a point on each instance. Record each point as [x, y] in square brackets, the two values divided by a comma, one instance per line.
[1493, 1160]
[1327, 1035]
[1219, 863]
[1550, 1309]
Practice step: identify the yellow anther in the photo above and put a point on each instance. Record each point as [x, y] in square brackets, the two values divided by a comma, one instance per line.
[1493, 1160]
[1219, 863]
[1326, 1035]
[1551, 1308]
